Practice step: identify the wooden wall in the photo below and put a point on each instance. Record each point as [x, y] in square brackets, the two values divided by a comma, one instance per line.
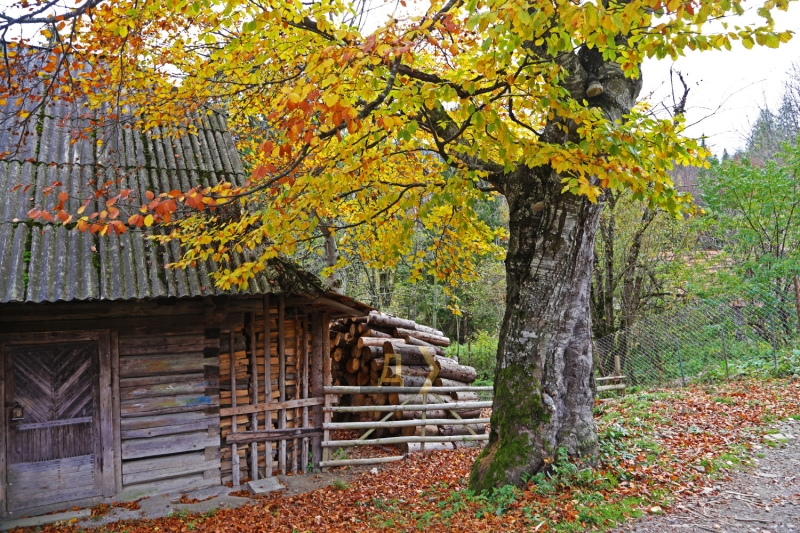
[288, 359]
[165, 384]
[171, 374]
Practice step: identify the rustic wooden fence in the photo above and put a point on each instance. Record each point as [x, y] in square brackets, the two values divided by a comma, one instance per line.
[332, 395]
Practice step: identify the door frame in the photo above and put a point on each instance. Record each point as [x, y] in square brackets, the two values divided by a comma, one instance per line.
[103, 431]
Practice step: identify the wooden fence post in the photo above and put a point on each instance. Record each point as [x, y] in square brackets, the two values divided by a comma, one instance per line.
[254, 397]
[267, 385]
[282, 380]
[317, 379]
[234, 447]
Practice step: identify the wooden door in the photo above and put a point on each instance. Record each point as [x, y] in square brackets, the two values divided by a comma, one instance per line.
[54, 454]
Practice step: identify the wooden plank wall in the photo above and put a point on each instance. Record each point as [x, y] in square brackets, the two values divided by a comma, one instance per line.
[169, 410]
[166, 365]
[287, 362]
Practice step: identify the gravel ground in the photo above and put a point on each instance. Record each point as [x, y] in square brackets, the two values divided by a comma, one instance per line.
[764, 498]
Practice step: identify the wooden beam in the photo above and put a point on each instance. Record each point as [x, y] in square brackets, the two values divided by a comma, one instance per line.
[326, 377]
[5, 414]
[234, 448]
[366, 461]
[338, 306]
[273, 406]
[304, 384]
[272, 435]
[107, 481]
[405, 423]
[297, 387]
[116, 406]
[267, 384]
[282, 378]
[397, 408]
[403, 440]
[253, 396]
[403, 390]
[317, 382]
[619, 386]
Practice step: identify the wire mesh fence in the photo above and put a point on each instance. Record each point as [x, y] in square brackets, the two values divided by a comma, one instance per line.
[706, 340]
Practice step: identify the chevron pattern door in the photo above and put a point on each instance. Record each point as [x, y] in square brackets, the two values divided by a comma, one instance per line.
[51, 451]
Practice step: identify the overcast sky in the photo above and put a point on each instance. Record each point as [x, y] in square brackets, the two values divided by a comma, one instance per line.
[738, 81]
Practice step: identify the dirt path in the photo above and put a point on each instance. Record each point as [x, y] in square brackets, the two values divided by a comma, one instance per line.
[764, 498]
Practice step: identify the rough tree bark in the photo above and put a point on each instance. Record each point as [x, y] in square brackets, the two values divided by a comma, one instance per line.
[335, 282]
[544, 387]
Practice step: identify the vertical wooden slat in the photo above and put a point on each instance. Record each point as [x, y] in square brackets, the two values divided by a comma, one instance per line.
[116, 406]
[234, 448]
[296, 418]
[282, 380]
[326, 375]
[316, 382]
[267, 384]
[254, 396]
[4, 415]
[107, 482]
[303, 382]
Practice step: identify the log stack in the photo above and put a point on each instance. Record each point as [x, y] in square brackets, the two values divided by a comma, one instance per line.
[380, 349]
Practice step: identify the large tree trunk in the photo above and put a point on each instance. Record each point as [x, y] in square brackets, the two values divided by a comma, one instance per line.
[544, 386]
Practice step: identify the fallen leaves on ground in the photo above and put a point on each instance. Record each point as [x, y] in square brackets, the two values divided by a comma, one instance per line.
[654, 446]
[101, 509]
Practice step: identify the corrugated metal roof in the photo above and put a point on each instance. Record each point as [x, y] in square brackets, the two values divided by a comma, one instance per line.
[48, 262]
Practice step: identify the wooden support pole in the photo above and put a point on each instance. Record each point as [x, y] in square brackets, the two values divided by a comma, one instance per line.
[304, 381]
[317, 381]
[234, 447]
[296, 386]
[254, 397]
[116, 407]
[282, 379]
[327, 416]
[267, 385]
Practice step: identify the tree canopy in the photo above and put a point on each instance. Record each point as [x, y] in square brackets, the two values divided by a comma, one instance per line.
[362, 130]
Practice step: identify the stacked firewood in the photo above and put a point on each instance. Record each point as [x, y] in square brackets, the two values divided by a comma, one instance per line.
[246, 339]
[383, 350]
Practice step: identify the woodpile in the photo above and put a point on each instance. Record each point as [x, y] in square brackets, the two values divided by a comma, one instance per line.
[288, 359]
[383, 350]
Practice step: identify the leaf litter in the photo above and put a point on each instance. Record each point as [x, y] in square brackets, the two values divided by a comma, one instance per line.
[656, 448]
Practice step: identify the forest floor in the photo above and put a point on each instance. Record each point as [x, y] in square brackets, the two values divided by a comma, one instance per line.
[764, 498]
[668, 460]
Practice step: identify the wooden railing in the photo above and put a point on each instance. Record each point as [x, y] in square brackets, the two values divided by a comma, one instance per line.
[615, 383]
[332, 395]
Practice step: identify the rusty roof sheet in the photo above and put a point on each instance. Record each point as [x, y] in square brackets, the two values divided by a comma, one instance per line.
[61, 143]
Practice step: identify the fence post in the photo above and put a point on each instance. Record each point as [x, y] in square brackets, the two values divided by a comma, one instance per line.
[724, 352]
[424, 417]
[797, 302]
[680, 361]
[774, 344]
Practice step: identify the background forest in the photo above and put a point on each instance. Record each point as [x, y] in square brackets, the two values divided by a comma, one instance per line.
[742, 242]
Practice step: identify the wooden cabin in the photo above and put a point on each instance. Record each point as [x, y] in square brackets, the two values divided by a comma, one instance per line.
[119, 377]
